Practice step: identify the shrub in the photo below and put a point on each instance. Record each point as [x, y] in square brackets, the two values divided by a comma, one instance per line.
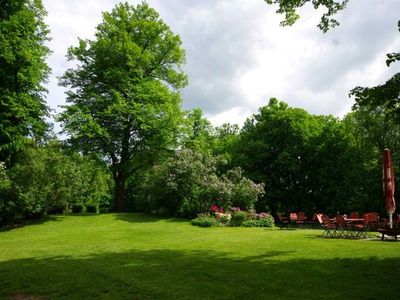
[238, 218]
[244, 192]
[223, 217]
[78, 208]
[189, 183]
[267, 221]
[92, 208]
[251, 223]
[205, 221]
[104, 208]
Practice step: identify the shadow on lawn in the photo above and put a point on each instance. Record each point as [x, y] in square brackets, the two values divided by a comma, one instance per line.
[144, 218]
[164, 274]
[31, 223]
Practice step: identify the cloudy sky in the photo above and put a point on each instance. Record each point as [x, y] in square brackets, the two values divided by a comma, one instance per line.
[238, 56]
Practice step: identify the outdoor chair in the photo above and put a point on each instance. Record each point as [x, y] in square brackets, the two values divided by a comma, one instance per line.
[301, 220]
[354, 215]
[283, 220]
[330, 228]
[343, 229]
[371, 221]
[293, 218]
[360, 230]
[314, 220]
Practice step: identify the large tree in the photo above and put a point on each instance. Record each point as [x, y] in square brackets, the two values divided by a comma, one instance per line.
[123, 94]
[305, 161]
[23, 70]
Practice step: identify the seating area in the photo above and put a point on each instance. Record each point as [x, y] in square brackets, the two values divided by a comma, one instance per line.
[297, 220]
[353, 226]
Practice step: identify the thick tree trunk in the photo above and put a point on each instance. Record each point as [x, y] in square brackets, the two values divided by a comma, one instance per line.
[119, 193]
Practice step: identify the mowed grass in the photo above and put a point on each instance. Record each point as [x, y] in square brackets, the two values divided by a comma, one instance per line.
[134, 256]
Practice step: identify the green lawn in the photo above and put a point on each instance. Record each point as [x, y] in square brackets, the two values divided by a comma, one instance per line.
[133, 256]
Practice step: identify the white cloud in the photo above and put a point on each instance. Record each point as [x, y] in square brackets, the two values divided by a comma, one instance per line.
[238, 56]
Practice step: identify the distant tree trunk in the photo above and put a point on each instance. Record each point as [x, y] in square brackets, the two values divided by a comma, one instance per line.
[119, 192]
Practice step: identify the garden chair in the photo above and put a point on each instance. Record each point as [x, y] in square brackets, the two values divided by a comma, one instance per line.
[283, 220]
[360, 230]
[371, 221]
[354, 215]
[330, 228]
[313, 221]
[301, 220]
[343, 229]
[293, 218]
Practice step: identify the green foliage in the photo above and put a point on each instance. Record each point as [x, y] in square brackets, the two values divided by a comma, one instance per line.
[8, 206]
[204, 220]
[77, 208]
[258, 223]
[307, 163]
[238, 218]
[23, 70]
[290, 9]
[92, 208]
[384, 97]
[372, 129]
[226, 137]
[245, 192]
[48, 179]
[189, 183]
[198, 133]
[123, 98]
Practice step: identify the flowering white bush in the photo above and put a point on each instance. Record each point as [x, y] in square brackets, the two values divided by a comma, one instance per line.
[223, 217]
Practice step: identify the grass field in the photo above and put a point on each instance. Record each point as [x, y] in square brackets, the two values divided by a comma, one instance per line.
[134, 256]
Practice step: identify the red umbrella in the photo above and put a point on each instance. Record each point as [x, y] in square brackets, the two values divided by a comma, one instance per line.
[388, 185]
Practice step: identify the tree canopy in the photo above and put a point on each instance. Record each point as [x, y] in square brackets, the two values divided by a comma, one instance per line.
[290, 9]
[23, 70]
[123, 99]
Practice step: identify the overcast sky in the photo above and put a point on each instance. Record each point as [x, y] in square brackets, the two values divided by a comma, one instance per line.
[238, 56]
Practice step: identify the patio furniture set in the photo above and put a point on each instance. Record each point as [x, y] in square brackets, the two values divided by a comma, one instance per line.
[353, 226]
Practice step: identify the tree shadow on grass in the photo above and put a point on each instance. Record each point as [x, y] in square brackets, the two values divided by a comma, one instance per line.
[24, 223]
[145, 218]
[168, 274]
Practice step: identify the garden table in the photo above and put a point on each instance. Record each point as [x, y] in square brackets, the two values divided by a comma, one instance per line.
[354, 220]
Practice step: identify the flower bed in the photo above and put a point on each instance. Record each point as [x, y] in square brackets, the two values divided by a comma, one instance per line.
[233, 217]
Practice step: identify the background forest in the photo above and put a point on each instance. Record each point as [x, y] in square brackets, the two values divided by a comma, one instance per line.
[131, 147]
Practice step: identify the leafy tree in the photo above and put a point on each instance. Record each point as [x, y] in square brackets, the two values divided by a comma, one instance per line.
[23, 70]
[49, 179]
[334, 168]
[273, 149]
[290, 9]
[198, 133]
[123, 98]
[372, 129]
[226, 139]
[307, 163]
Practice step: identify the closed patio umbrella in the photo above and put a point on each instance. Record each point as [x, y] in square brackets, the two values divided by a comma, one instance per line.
[388, 185]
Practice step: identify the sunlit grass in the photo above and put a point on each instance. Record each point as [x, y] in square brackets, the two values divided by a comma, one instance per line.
[133, 256]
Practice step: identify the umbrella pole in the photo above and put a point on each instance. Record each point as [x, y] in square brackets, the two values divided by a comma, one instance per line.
[391, 220]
